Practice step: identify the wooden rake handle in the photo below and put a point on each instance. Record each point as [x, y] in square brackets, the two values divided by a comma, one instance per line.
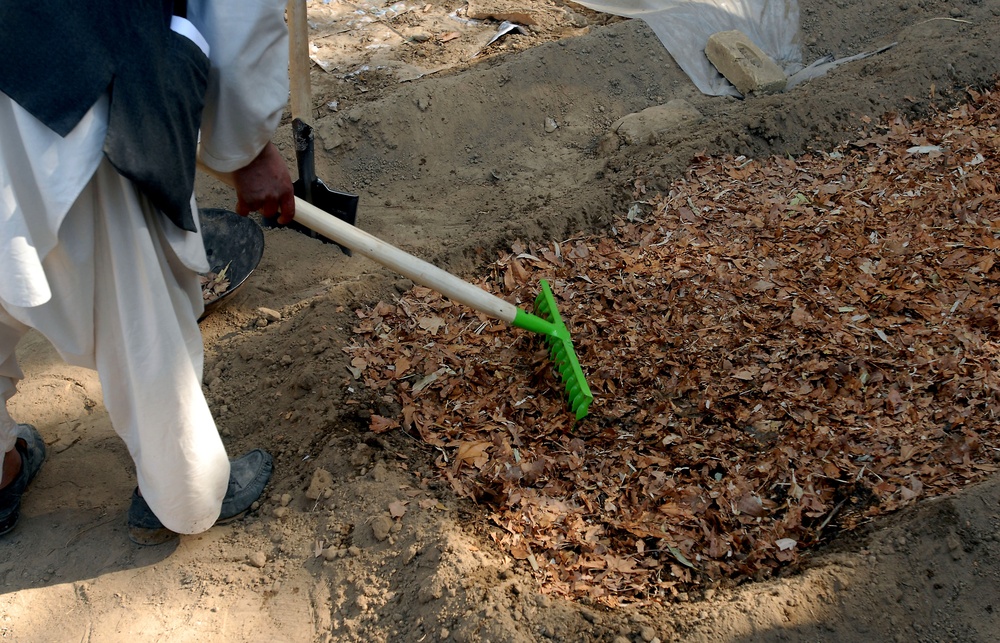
[417, 270]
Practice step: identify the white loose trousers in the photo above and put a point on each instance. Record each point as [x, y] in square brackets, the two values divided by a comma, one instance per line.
[123, 303]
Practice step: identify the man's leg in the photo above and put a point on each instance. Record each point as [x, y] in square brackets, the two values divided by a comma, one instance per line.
[22, 447]
[10, 333]
[122, 303]
[149, 356]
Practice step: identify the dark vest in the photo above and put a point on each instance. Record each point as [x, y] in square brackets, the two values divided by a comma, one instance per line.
[58, 57]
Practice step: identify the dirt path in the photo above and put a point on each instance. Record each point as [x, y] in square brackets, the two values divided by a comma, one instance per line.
[453, 165]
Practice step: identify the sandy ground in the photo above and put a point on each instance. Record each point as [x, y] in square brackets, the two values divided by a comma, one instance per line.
[451, 156]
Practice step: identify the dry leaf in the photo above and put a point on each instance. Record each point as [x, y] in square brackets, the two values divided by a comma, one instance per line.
[431, 324]
[380, 424]
[473, 453]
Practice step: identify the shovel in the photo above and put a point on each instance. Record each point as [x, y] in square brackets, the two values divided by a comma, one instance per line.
[309, 187]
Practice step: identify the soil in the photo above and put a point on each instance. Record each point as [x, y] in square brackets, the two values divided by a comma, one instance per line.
[455, 156]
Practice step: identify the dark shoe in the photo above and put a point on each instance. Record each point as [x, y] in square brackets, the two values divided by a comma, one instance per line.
[32, 449]
[247, 478]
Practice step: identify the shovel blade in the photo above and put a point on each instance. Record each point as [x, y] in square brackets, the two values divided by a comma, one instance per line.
[342, 205]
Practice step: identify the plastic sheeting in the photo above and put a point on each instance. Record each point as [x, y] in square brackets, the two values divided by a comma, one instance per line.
[683, 26]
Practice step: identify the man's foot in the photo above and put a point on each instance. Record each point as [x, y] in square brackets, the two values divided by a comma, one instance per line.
[247, 478]
[31, 448]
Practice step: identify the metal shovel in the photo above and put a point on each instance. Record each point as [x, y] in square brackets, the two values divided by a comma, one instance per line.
[309, 187]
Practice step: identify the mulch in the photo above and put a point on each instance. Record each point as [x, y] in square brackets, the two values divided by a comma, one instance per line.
[780, 349]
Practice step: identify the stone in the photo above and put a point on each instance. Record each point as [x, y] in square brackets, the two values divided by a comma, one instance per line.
[257, 559]
[269, 314]
[743, 63]
[321, 481]
[417, 35]
[381, 527]
[646, 126]
[500, 10]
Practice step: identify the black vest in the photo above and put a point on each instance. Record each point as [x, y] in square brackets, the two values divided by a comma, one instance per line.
[57, 58]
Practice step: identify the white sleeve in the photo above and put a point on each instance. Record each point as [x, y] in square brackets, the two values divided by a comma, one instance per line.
[248, 80]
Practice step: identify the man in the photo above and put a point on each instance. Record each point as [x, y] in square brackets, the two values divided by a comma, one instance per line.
[87, 257]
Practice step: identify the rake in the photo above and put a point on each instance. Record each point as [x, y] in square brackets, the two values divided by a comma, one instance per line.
[546, 322]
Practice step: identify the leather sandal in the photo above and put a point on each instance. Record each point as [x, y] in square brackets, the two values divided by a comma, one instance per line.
[31, 447]
[248, 476]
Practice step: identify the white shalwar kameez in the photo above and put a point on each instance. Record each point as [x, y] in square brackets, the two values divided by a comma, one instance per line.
[112, 284]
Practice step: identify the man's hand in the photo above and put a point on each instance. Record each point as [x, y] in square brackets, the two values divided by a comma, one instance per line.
[265, 186]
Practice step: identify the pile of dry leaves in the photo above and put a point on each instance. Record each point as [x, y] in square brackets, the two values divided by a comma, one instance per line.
[778, 348]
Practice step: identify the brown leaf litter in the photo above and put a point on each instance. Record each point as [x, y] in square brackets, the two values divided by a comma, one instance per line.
[779, 349]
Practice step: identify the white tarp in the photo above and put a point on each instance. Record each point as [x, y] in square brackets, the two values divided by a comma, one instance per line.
[683, 26]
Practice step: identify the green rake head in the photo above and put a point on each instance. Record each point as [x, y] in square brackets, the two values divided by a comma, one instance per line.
[561, 351]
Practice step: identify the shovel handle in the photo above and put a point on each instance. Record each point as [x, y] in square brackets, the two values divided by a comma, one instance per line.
[416, 269]
[298, 61]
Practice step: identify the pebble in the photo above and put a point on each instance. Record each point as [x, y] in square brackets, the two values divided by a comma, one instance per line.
[321, 482]
[285, 499]
[381, 527]
[257, 559]
[280, 512]
[331, 553]
[354, 550]
[647, 633]
[550, 125]
[269, 314]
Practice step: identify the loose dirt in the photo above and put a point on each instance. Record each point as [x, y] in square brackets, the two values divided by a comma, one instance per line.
[455, 156]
